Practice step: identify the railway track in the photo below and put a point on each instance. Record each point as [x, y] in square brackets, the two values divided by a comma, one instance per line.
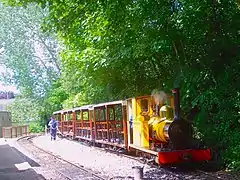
[184, 174]
[71, 171]
[65, 169]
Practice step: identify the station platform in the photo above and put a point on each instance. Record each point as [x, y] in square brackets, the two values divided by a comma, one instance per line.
[14, 165]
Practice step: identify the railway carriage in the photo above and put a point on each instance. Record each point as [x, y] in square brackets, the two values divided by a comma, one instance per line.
[110, 126]
[83, 123]
[58, 117]
[146, 126]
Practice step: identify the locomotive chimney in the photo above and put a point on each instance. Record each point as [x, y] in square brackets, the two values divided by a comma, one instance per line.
[176, 96]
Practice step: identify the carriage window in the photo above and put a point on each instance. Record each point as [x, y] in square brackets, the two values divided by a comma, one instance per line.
[144, 105]
[97, 114]
[78, 115]
[69, 116]
[91, 115]
[85, 115]
[118, 112]
[102, 115]
[111, 114]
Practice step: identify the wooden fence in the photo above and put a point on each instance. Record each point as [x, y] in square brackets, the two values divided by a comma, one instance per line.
[15, 131]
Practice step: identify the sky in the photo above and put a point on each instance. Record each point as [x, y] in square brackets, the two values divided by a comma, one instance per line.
[39, 53]
[7, 88]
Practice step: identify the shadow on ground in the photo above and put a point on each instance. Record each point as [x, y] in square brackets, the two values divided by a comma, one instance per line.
[183, 171]
[14, 165]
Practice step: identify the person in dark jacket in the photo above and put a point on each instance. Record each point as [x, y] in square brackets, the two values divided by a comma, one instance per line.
[53, 124]
[47, 127]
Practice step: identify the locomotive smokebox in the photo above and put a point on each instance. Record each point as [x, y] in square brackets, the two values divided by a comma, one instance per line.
[176, 96]
[180, 131]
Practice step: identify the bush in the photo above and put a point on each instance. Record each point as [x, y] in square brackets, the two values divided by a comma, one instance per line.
[36, 127]
[218, 120]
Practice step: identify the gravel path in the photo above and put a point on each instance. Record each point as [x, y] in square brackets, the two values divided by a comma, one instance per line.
[60, 166]
[104, 163]
[37, 163]
[108, 164]
[48, 166]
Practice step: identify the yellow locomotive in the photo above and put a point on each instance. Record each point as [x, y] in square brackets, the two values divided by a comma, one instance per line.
[159, 130]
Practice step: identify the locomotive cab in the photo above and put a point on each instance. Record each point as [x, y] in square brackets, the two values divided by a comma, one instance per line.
[141, 116]
[149, 122]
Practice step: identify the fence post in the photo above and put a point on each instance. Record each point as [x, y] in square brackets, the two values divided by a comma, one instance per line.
[3, 134]
[21, 131]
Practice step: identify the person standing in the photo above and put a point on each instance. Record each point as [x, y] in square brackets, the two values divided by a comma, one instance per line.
[53, 128]
[47, 127]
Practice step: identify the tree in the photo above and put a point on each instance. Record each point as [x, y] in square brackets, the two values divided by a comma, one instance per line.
[30, 54]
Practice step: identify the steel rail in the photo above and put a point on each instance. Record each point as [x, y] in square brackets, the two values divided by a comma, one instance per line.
[30, 137]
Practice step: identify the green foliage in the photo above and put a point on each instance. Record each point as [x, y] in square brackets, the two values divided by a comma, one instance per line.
[36, 127]
[29, 54]
[54, 98]
[75, 101]
[219, 119]
[25, 110]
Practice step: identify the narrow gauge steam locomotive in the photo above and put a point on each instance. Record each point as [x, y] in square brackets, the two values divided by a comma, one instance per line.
[142, 125]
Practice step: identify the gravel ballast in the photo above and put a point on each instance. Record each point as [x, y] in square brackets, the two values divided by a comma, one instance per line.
[105, 163]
